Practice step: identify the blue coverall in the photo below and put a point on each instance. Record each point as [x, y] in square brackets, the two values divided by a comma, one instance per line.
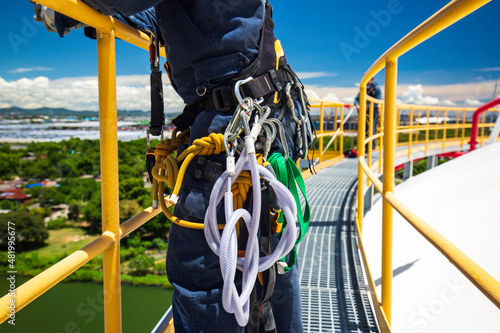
[207, 43]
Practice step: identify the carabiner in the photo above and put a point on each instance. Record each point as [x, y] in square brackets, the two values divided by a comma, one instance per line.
[237, 92]
[233, 129]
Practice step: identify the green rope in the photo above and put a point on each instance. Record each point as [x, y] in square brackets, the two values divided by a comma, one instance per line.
[289, 175]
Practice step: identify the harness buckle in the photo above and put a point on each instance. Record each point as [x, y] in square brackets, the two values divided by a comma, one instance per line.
[238, 94]
[218, 99]
[274, 79]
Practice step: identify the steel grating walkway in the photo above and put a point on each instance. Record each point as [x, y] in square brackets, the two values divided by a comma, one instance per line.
[333, 289]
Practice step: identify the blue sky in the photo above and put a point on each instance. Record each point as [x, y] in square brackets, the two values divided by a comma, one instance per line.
[330, 43]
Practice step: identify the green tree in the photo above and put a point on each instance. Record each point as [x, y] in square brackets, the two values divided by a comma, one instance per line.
[67, 168]
[9, 163]
[28, 228]
[159, 244]
[128, 208]
[47, 195]
[158, 226]
[43, 212]
[75, 207]
[40, 168]
[92, 212]
[141, 264]
[7, 204]
[132, 189]
[85, 165]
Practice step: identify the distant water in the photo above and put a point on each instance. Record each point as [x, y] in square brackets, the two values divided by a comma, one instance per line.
[77, 307]
[25, 133]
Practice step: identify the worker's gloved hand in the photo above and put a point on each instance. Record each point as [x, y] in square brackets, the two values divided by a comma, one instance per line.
[46, 16]
[54, 21]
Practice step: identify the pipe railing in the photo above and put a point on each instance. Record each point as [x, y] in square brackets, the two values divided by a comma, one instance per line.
[475, 121]
[36, 286]
[337, 131]
[448, 15]
[108, 29]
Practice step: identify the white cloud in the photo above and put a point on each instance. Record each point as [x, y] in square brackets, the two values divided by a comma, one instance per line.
[30, 69]
[473, 102]
[332, 97]
[81, 93]
[334, 94]
[415, 95]
[463, 94]
[447, 102]
[489, 69]
[312, 75]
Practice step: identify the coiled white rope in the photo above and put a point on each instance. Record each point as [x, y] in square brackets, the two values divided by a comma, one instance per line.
[226, 246]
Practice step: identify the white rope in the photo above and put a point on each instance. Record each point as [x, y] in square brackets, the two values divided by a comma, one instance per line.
[226, 245]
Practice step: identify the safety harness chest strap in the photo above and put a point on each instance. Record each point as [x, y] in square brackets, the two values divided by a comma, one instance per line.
[222, 98]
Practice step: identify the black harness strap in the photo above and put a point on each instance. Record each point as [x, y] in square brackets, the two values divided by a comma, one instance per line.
[157, 109]
[222, 98]
[261, 314]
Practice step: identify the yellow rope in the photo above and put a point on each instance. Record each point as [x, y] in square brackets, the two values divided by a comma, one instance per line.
[167, 170]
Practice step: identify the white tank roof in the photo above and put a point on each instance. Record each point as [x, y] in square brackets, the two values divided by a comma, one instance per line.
[461, 200]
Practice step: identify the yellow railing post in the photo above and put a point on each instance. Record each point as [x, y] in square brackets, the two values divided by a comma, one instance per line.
[342, 129]
[427, 132]
[436, 130]
[410, 134]
[464, 117]
[361, 151]
[381, 141]
[106, 61]
[398, 123]
[370, 144]
[321, 129]
[388, 182]
[417, 124]
[445, 129]
[335, 126]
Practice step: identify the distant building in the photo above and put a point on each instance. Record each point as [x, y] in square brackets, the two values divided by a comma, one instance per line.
[15, 194]
[34, 185]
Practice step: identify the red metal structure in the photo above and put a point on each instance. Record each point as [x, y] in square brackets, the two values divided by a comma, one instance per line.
[475, 121]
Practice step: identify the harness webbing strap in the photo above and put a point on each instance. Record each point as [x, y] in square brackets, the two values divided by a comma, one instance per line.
[157, 108]
[261, 294]
[288, 174]
[222, 98]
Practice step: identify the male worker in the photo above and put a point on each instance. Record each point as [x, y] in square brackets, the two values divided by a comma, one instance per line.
[208, 43]
[372, 90]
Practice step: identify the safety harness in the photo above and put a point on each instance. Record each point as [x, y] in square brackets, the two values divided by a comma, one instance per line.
[259, 187]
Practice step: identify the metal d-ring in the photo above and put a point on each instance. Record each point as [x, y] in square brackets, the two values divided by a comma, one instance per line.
[202, 93]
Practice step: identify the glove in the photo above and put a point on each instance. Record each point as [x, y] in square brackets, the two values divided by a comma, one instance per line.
[53, 21]
[46, 16]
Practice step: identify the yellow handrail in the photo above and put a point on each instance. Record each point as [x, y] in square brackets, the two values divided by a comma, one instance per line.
[109, 242]
[445, 17]
[36, 286]
[337, 134]
[39, 284]
[79, 11]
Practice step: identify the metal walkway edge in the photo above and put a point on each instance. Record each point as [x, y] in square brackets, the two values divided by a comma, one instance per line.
[333, 289]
